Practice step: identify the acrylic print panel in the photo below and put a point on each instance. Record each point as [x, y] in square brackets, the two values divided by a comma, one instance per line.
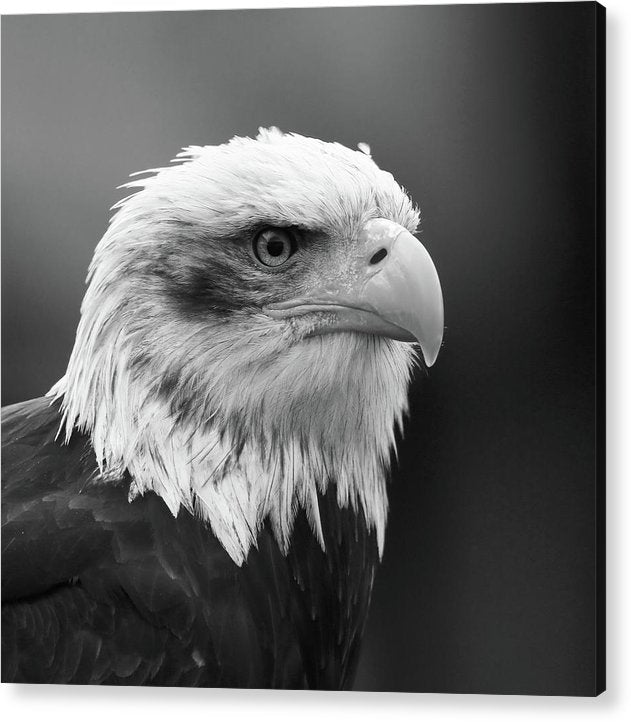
[214, 511]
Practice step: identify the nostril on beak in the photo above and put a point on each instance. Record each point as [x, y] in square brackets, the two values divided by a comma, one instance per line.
[378, 257]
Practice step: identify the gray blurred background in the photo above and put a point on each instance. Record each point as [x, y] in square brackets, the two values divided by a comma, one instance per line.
[486, 115]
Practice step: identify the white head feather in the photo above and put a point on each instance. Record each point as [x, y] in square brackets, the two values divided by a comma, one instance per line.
[224, 411]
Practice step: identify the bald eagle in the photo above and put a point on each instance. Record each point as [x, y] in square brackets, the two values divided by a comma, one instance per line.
[201, 499]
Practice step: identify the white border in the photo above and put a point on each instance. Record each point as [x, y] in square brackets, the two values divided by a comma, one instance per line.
[99, 704]
[75, 6]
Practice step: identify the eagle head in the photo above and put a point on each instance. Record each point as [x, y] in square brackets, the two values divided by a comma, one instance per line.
[248, 332]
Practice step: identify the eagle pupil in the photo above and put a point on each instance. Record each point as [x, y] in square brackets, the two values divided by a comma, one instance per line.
[275, 247]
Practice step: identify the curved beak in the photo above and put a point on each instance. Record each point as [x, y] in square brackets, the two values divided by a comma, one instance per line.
[392, 290]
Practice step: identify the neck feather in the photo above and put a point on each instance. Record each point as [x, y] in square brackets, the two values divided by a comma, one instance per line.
[244, 436]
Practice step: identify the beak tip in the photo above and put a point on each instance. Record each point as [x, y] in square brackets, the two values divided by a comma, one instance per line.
[430, 351]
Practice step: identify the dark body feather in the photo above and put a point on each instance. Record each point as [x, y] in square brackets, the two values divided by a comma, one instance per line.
[98, 590]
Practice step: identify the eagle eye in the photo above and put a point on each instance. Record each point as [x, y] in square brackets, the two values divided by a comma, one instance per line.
[274, 246]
